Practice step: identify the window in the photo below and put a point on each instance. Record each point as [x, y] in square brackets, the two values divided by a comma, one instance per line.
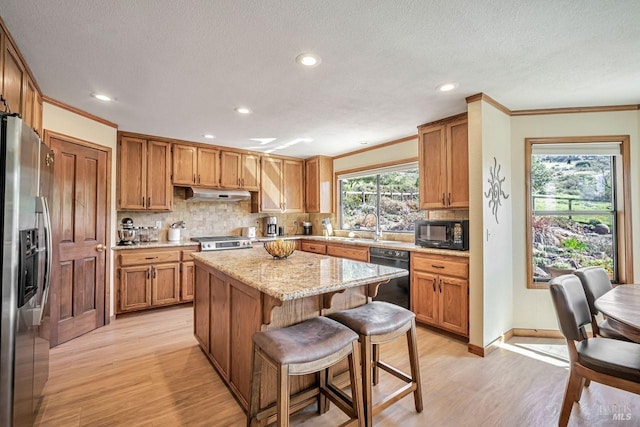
[390, 194]
[575, 209]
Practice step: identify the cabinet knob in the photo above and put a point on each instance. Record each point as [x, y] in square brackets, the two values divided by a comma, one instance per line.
[440, 285]
[443, 198]
[449, 199]
[434, 284]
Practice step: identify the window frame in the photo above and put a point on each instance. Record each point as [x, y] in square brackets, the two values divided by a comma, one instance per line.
[624, 229]
[371, 170]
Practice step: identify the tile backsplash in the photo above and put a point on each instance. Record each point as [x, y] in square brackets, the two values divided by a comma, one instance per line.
[217, 218]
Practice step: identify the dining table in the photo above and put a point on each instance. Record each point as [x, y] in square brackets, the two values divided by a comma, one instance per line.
[621, 306]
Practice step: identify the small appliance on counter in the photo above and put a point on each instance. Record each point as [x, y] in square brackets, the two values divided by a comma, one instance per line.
[271, 226]
[307, 228]
[442, 234]
[127, 232]
[249, 232]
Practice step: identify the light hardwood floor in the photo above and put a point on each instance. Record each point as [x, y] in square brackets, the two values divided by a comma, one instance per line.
[147, 370]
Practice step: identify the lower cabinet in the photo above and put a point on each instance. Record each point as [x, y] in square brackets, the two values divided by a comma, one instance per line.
[440, 291]
[148, 278]
[354, 252]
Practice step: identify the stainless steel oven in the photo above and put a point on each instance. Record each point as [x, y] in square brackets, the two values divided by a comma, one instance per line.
[397, 290]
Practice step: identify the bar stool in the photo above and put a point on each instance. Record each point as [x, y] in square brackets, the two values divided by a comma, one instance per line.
[311, 346]
[377, 323]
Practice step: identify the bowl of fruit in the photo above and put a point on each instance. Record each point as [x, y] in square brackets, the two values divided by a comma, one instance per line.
[280, 249]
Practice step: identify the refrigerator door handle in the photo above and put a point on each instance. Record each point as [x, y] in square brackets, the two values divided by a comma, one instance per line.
[43, 207]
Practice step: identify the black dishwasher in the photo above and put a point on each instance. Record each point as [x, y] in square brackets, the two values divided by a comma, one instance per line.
[397, 290]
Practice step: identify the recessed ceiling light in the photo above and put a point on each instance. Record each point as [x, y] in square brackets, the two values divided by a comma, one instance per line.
[446, 87]
[363, 142]
[308, 59]
[243, 110]
[208, 136]
[101, 97]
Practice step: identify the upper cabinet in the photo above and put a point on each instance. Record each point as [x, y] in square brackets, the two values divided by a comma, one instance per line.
[444, 164]
[17, 86]
[319, 184]
[144, 175]
[238, 170]
[196, 166]
[282, 185]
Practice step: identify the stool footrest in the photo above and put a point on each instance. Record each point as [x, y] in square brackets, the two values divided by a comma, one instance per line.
[297, 402]
[394, 371]
[393, 398]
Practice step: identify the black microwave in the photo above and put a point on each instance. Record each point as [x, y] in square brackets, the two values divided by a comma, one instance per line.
[443, 234]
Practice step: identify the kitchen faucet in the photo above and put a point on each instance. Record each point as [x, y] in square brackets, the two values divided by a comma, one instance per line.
[378, 232]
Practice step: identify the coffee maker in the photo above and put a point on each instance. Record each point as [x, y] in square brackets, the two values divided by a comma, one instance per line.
[271, 226]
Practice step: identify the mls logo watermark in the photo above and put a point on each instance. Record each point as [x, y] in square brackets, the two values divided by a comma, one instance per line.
[615, 412]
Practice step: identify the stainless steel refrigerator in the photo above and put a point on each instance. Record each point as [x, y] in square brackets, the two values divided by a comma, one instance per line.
[26, 172]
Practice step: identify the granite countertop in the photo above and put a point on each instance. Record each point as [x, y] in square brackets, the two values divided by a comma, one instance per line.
[158, 244]
[302, 274]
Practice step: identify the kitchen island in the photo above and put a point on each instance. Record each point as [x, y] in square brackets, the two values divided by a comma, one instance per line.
[240, 292]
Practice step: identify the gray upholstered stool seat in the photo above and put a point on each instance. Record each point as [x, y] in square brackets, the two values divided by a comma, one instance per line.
[375, 318]
[308, 347]
[613, 357]
[305, 342]
[377, 323]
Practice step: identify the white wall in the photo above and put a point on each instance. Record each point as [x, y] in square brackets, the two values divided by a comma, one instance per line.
[532, 307]
[62, 121]
[389, 153]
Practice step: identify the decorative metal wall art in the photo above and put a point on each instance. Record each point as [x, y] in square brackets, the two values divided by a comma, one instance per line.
[495, 192]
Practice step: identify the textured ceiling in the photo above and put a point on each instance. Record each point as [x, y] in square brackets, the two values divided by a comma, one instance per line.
[179, 68]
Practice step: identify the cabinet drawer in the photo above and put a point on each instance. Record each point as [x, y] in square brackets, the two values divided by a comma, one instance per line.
[186, 254]
[446, 266]
[316, 248]
[357, 254]
[148, 257]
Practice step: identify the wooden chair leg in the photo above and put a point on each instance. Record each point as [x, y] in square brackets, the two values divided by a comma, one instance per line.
[587, 382]
[412, 343]
[366, 350]
[574, 384]
[283, 395]
[254, 397]
[356, 383]
[376, 359]
[323, 400]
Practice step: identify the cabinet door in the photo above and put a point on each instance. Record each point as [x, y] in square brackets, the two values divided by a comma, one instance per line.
[424, 296]
[132, 174]
[349, 252]
[29, 101]
[271, 179]
[185, 163]
[457, 165]
[293, 184]
[316, 248]
[220, 305]
[208, 167]
[312, 185]
[453, 304]
[432, 159]
[165, 281]
[159, 188]
[201, 320]
[13, 78]
[250, 172]
[230, 170]
[135, 288]
[187, 277]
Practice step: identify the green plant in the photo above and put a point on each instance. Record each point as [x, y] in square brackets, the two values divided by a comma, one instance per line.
[560, 264]
[574, 244]
[606, 263]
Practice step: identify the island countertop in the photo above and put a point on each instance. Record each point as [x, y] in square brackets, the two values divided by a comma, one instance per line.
[301, 275]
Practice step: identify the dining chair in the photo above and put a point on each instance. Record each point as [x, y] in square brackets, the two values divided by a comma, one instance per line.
[595, 282]
[607, 361]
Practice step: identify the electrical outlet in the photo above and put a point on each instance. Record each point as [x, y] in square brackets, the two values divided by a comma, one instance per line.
[158, 224]
[295, 222]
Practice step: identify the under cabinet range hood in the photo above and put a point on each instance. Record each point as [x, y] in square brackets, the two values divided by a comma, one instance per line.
[196, 194]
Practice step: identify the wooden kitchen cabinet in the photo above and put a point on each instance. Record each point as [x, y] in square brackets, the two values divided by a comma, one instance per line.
[239, 171]
[354, 252]
[282, 185]
[196, 166]
[149, 278]
[144, 175]
[444, 164]
[319, 184]
[201, 312]
[440, 291]
[17, 85]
